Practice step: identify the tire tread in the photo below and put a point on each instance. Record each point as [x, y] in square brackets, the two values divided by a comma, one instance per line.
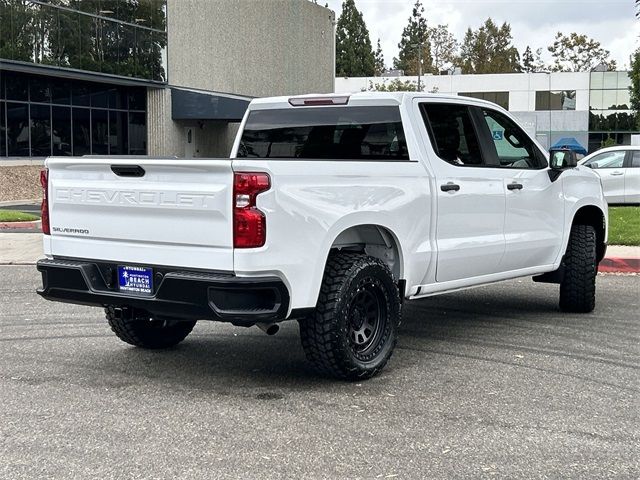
[578, 287]
[135, 332]
[318, 331]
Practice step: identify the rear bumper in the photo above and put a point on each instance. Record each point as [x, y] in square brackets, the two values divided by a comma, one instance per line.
[180, 294]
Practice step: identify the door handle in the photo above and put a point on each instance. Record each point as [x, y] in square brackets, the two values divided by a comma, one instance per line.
[616, 174]
[450, 187]
[128, 170]
[514, 186]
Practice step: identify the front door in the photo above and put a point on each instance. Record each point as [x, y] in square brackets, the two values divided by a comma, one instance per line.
[534, 221]
[470, 195]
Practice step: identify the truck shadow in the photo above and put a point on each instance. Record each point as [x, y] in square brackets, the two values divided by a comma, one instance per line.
[220, 359]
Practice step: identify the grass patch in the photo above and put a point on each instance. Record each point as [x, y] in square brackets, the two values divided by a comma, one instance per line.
[15, 216]
[624, 226]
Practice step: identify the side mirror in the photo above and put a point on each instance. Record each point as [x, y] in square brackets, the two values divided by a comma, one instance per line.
[562, 158]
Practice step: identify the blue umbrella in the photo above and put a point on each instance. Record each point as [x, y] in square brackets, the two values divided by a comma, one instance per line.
[571, 144]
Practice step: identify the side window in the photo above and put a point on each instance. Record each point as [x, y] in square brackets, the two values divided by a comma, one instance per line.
[635, 159]
[452, 134]
[513, 147]
[607, 160]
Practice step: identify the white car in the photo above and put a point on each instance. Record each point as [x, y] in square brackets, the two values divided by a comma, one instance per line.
[619, 169]
[332, 211]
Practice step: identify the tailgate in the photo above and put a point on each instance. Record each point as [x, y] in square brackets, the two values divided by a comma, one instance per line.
[142, 211]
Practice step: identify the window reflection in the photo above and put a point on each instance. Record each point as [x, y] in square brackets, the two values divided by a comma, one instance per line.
[556, 100]
[81, 132]
[99, 132]
[93, 37]
[40, 130]
[137, 134]
[63, 117]
[3, 131]
[499, 98]
[610, 117]
[17, 129]
[61, 131]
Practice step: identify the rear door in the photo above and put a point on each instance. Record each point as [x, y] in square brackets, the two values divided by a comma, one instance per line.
[534, 220]
[142, 211]
[632, 178]
[610, 167]
[470, 195]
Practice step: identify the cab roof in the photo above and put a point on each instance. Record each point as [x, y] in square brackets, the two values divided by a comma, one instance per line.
[356, 99]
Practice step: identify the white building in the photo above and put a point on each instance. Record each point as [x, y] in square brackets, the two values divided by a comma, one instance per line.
[591, 107]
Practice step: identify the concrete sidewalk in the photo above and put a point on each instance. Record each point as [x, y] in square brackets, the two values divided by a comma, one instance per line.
[20, 248]
[26, 248]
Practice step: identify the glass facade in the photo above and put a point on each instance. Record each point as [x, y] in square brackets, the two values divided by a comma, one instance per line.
[499, 98]
[555, 100]
[118, 37]
[41, 116]
[611, 120]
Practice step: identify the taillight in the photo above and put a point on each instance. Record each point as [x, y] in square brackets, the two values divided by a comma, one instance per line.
[249, 223]
[44, 207]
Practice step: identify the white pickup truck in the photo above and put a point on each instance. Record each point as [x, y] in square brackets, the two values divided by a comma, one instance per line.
[332, 210]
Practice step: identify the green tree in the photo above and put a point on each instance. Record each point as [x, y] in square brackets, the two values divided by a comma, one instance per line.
[634, 73]
[528, 65]
[443, 47]
[489, 50]
[354, 54]
[379, 67]
[415, 37]
[578, 53]
[532, 62]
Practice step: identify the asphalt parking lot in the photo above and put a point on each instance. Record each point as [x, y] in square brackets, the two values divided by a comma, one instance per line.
[490, 383]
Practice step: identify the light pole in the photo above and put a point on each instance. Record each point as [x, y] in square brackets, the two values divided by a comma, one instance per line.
[419, 46]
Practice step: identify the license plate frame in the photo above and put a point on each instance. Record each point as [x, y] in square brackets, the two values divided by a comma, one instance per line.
[135, 280]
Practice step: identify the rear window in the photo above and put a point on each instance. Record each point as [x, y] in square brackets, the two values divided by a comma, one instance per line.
[338, 133]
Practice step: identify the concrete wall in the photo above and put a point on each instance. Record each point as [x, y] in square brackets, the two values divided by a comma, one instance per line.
[251, 47]
[164, 136]
[167, 137]
[212, 139]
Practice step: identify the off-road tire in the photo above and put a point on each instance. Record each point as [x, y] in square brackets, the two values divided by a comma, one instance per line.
[355, 289]
[136, 329]
[578, 287]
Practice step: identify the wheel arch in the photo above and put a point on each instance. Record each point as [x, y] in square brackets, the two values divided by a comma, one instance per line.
[594, 216]
[375, 240]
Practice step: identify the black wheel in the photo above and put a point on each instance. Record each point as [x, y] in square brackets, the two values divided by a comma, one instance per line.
[136, 328]
[353, 331]
[578, 287]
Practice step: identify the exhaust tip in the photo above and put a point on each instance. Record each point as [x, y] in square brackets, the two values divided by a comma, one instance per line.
[269, 328]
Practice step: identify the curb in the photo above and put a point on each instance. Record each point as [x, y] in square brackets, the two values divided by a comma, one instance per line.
[13, 203]
[34, 225]
[619, 265]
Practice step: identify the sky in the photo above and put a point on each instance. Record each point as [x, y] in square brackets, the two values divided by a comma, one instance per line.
[534, 23]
